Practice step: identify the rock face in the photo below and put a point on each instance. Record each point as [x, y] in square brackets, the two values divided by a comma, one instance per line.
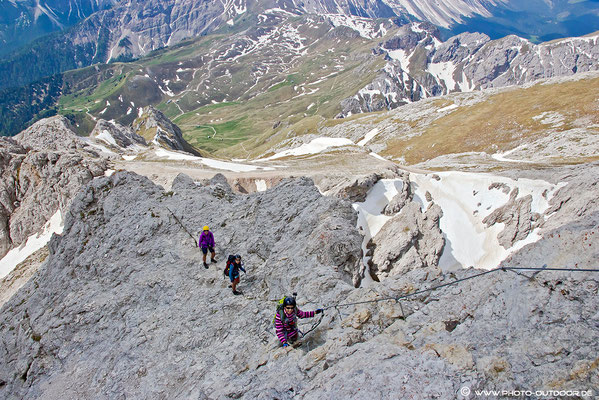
[154, 126]
[117, 137]
[55, 133]
[411, 239]
[354, 189]
[121, 239]
[25, 21]
[133, 28]
[42, 169]
[518, 218]
[123, 307]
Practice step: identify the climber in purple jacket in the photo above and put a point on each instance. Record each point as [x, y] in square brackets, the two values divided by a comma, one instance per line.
[206, 243]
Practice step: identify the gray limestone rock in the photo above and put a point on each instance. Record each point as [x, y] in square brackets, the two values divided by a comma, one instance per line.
[411, 239]
[155, 127]
[123, 308]
[466, 62]
[518, 218]
[54, 133]
[400, 199]
[127, 271]
[117, 136]
[42, 169]
[354, 188]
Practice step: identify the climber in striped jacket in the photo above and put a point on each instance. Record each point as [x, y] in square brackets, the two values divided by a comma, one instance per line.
[286, 318]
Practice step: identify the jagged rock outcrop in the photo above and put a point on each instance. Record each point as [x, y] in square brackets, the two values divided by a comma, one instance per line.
[156, 128]
[54, 133]
[42, 169]
[117, 137]
[411, 239]
[353, 188]
[518, 218]
[577, 198]
[24, 21]
[392, 88]
[401, 199]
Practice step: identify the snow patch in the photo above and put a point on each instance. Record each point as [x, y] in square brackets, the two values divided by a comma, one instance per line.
[217, 164]
[314, 147]
[261, 185]
[502, 157]
[106, 137]
[368, 137]
[466, 200]
[33, 244]
[401, 56]
[375, 155]
[448, 108]
[550, 118]
[366, 27]
[444, 73]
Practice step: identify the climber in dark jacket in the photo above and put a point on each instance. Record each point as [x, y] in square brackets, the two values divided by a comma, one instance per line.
[234, 266]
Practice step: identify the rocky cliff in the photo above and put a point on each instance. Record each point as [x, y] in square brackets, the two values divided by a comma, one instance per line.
[123, 306]
[42, 169]
[117, 137]
[154, 126]
[23, 21]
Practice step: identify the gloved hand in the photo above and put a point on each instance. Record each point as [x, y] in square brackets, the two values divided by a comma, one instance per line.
[318, 311]
[285, 344]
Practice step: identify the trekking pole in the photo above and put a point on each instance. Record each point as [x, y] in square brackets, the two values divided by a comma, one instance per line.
[180, 223]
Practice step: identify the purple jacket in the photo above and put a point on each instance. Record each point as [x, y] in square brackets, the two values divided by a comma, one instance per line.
[288, 329]
[206, 239]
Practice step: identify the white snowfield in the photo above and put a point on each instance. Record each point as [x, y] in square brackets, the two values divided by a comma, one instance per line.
[261, 185]
[369, 136]
[217, 164]
[33, 244]
[314, 147]
[466, 200]
[503, 157]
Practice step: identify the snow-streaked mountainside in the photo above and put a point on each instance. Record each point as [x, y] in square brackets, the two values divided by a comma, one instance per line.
[214, 15]
[23, 20]
[422, 66]
[327, 65]
[445, 13]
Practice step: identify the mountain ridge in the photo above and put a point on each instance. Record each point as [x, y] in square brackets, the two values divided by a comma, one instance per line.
[418, 65]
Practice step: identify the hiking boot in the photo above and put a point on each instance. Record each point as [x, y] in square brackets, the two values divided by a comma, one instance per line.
[230, 286]
[213, 260]
[205, 265]
[236, 293]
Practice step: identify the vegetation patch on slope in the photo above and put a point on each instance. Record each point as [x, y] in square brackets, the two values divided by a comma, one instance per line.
[504, 121]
